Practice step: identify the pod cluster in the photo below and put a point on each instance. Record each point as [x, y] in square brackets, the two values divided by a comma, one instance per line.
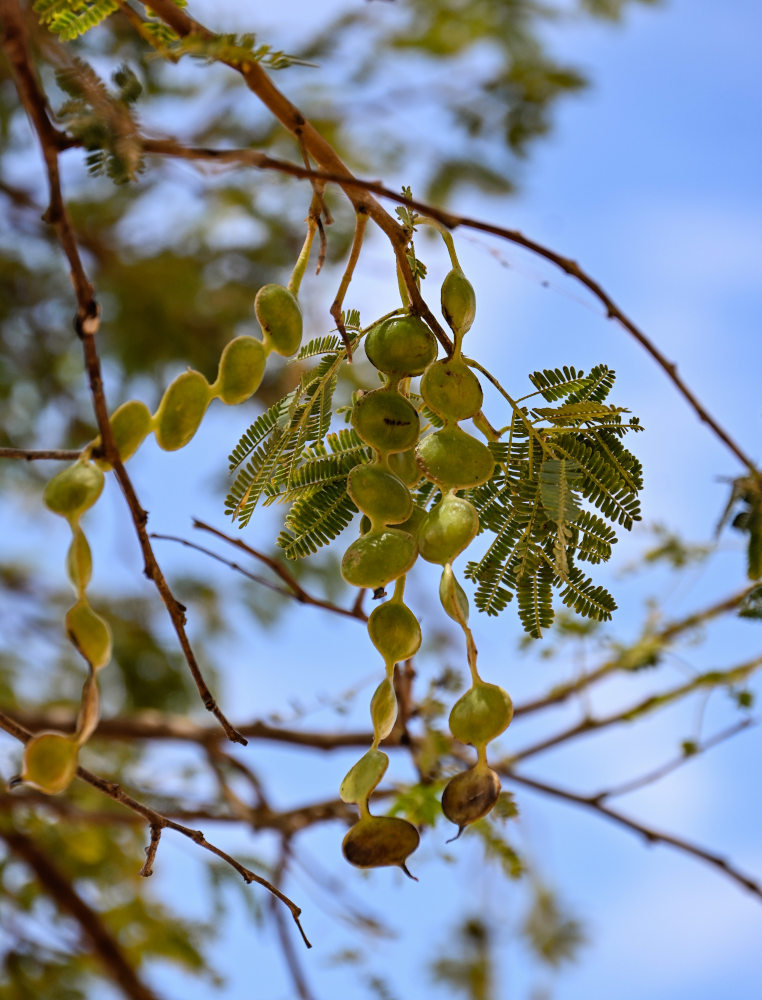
[50, 758]
[395, 532]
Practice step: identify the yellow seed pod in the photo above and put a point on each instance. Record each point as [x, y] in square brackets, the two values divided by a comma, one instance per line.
[379, 494]
[470, 795]
[447, 530]
[130, 424]
[383, 709]
[386, 420]
[280, 317]
[414, 522]
[481, 714]
[89, 633]
[403, 345]
[50, 762]
[73, 490]
[242, 368]
[451, 389]
[458, 301]
[363, 776]
[453, 459]
[181, 410]
[453, 597]
[79, 560]
[394, 631]
[376, 841]
[378, 557]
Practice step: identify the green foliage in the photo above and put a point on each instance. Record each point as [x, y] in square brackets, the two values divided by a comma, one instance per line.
[746, 493]
[68, 19]
[554, 935]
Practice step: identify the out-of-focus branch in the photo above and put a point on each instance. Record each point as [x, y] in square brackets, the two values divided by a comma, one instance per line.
[651, 836]
[87, 323]
[705, 681]
[59, 454]
[68, 900]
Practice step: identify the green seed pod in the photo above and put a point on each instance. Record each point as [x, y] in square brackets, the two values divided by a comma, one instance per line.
[405, 467]
[378, 557]
[50, 762]
[386, 420]
[470, 795]
[451, 389]
[453, 597]
[181, 410]
[379, 494]
[280, 317]
[394, 631]
[383, 709]
[363, 777]
[130, 425]
[89, 633]
[451, 458]
[481, 714]
[458, 301]
[73, 490]
[79, 560]
[403, 345]
[242, 367]
[449, 528]
[414, 522]
[376, 841]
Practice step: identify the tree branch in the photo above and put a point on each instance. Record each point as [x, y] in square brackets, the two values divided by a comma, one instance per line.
[87, 323]
[157, 820]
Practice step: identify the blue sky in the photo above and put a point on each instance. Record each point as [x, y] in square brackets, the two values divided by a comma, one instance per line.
[651, 180]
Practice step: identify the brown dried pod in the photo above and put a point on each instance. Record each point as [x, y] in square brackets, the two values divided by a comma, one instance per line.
[470, 795]
[378, 841]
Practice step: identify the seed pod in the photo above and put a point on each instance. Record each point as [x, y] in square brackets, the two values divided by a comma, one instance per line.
[73, 490]
[242, 367]
[130, 425]
[280, 317]
[376, 841]
[449, 528]
[458, 301]
[181, 410]
[379, 494]
[363, 776]
[481, 714]
[414, 522]
[79, 560]
[50, 762]
[403, 345]
[453, 459]
[451, 389]
[470, 795]
[89, 633]
[386, 420]
[405, 467]
[378, 557]
[453, 597]
[383, 709]
[394, 631]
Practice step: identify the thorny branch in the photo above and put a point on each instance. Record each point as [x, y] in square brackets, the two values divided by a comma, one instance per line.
[157, 822]
[87, 323]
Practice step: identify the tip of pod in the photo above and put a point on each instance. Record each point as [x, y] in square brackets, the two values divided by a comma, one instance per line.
[457, 835]
[404, 867]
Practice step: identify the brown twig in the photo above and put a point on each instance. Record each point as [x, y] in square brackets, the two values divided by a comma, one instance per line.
[453, 222]
[147, 870]
[159, 821]
[650, 835]
[33, 455]
[296, 590]
[69, 902]
[361, 220]
[286, 944]
[87, 324]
